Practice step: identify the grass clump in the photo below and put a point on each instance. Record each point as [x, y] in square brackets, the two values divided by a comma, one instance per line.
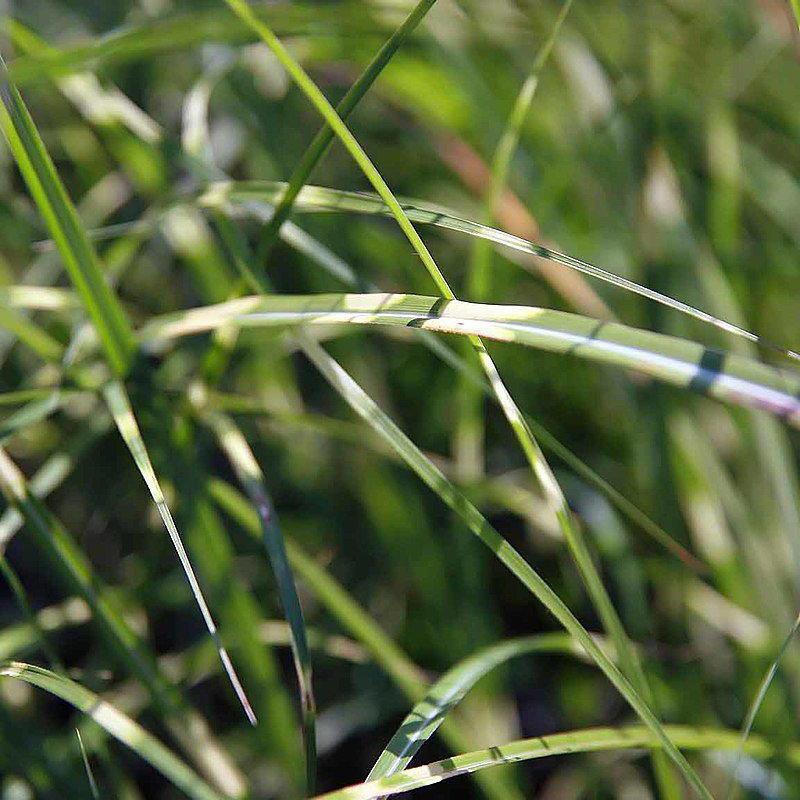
[192, 323]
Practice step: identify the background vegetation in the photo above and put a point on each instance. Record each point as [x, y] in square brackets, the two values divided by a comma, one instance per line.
[657, 139]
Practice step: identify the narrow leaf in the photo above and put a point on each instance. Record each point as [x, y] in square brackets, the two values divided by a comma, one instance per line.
[321, 199]
[687, 364]
[120, 408]
[120, 726]
[591, 740]
[251, 477]
[363, 405]
[426, 716]
[65, 227]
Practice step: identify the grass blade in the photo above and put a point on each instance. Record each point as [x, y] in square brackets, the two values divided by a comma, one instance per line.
[426, 716]
[522, 431]
[325, 135]
[62, 220]
[504, 153]
[591, 740]
[357, 622]
[330, 593]
[734, 379]
[120, 726]
[121, 411]
[251, 477]
[322, 199]
[60, 550]
[328, 113]
[88, 767]
[301, 241]
[30, 334]
[511, 559]
[758, 699]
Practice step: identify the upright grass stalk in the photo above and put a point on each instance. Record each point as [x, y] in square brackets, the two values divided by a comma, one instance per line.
[241, 257]
[469, 429]
[362, 404]
[480, 264]
[251, 477]
[468, 437]
[408, 678]
[325, 135]
[65, 227]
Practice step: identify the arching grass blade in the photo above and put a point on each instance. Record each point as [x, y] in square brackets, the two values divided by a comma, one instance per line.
[322, 199]
[426, 716]
[591, 740]
[734, 379]
[120, 726]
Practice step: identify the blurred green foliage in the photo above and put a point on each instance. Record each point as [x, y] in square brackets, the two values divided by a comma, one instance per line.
[662, 144]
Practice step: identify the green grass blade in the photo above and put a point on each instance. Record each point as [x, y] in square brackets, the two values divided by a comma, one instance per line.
[591, 740]
[351, 433]
[625, 506]
[120, 726]
[121, 411]
[426, 716]
[504, 152]
[60, 550]
[357, 622]
[344, 273]
[629, 509]
[251, 477]
[351, 616]
[509, 557]
[325, 135]
[328, 113]
[30, 334]
[30, 413]
[88, 767]
[731, 378]
[758, 699]
[322, 199]
[65, 227]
